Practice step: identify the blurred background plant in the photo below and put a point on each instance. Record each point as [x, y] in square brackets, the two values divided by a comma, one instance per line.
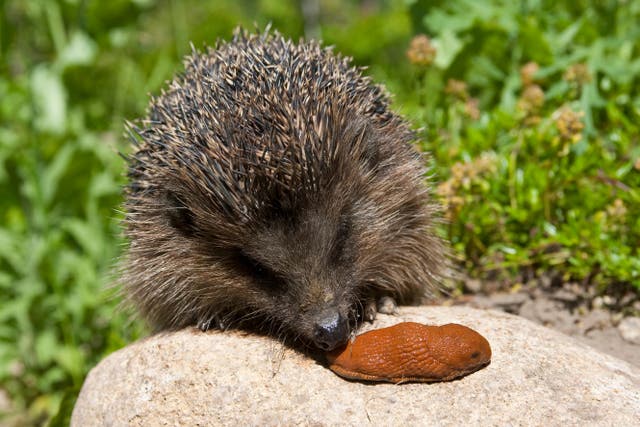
[531, 110]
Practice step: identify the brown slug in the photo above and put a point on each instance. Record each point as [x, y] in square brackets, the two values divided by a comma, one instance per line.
[412, 352]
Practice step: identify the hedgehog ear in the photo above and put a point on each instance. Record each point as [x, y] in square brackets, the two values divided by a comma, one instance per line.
[178, 214]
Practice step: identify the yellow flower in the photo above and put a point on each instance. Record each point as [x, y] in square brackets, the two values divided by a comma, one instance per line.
[527, 73]
[577, 73]
[617, 210]
[463, 176]
[421, 52]
[569, 124]
[471, 108]
[532, 100]
[457, 89]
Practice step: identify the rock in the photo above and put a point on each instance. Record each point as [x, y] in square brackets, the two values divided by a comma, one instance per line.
[608, 340]
[537, 377]
[629, 328]
[509, 302]
[5, 401]
[544, 311]
[565, 295]
[474, 286]
[628, 299]
[603, 301]
[595, 319]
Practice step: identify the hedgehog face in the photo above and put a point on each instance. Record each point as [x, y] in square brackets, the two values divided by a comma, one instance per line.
[293, 271]
[305, 269]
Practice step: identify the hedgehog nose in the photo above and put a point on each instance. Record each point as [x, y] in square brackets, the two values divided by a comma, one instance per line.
[331, 330]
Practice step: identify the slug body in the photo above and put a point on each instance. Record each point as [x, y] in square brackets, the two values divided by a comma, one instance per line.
[412, 352]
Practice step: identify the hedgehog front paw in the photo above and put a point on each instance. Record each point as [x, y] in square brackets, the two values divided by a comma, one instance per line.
[211, 323]
[387, 305]
[206, 324]
[370, 310]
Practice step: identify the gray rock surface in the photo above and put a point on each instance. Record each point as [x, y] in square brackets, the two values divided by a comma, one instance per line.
[537, 377]
[629, 328]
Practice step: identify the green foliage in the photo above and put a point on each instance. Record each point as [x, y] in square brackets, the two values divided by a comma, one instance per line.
[540, 170]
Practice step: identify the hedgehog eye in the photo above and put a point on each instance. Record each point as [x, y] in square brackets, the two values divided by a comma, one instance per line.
[263, 275]
[342, 235]
[179, 215]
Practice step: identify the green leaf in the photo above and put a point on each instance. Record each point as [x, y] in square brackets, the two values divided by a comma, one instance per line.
[54, 171]
[87, 236]
[534, 42]
[50, 99]
[71, 360]
[103, 184]
[80, 50]
[46, 347]
[447, 45]
[63, 417]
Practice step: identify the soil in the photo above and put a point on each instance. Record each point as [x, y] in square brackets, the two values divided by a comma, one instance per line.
[609, 323]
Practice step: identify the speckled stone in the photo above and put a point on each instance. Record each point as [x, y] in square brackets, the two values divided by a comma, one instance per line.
[537, 377]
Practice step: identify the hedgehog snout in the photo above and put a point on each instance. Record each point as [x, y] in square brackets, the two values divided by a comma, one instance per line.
[330, 330]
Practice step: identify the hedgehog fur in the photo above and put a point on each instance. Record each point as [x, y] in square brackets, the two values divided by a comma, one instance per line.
[272, 187]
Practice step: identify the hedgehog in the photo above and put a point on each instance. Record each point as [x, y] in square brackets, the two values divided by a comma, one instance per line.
[272, 188]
